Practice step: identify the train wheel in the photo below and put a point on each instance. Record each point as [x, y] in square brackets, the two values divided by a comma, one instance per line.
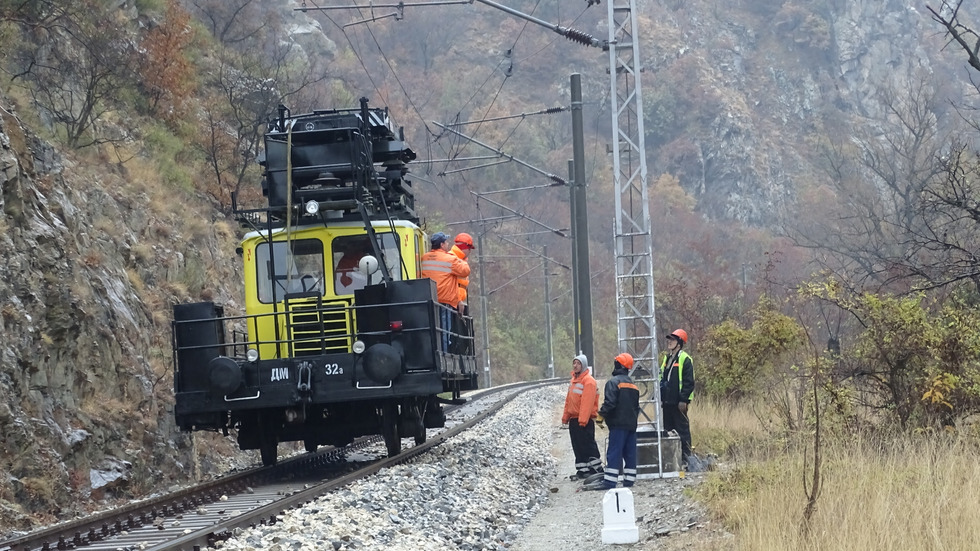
[270, 451]
[389, 429]
[420, 424]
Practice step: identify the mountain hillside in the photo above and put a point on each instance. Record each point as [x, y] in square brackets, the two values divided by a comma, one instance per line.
[110, 218]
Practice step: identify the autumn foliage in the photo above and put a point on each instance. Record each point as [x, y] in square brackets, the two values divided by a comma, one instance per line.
[167, 75]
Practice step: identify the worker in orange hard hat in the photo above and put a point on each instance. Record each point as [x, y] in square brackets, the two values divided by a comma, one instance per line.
[620, 409]
[462, 246]
[677, 389]
[445, 269]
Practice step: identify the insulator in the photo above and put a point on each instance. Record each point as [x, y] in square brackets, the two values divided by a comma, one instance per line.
[578, 36]
[553, 110]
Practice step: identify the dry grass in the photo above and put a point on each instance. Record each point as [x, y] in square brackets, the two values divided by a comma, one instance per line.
[912, 492]
[733, 433]
[136, 280]
[143, 253]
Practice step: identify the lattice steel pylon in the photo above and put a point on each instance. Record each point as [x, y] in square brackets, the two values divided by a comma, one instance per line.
[633, 240]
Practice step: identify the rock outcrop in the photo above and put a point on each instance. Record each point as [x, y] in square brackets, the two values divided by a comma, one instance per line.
[91, 264]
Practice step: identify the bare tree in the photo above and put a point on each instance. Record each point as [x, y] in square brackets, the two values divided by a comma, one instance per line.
[232, 22]
[948, 15]
[949, 239]
[249, 84]
[871, 234]
[85, 58]
[952, 233]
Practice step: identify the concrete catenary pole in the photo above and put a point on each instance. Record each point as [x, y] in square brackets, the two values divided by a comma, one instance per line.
[576, 331]
[581, 222]
[547, 314]
[483, 309]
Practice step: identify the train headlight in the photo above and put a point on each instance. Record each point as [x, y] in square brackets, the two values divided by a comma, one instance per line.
[358, 347]
[312, 207]
[252, 354]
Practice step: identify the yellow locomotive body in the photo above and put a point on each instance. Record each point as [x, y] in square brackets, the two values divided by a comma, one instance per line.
[317, 264]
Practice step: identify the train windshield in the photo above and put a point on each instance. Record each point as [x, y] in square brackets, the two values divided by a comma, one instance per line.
[296, 268]
[348, 250]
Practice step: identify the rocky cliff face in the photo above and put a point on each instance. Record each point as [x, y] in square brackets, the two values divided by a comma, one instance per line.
[91, 264]
[740, 97]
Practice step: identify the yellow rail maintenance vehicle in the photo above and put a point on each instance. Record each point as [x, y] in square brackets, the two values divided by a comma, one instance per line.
[340, 337]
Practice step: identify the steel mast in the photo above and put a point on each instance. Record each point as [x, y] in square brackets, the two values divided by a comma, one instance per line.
[632, 236]
[632, 232]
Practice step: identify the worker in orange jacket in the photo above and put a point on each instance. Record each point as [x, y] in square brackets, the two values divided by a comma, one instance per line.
[462, 247]
[445, 269]
[581, 408]
[463, 244]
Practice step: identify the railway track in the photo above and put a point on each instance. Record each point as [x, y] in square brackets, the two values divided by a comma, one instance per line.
[198, 517]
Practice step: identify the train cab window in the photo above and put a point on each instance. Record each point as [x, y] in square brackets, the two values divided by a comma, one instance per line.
[348, 250]
[296, 269]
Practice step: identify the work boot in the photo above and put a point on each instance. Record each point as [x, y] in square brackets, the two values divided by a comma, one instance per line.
[592, 478]
[597, 485]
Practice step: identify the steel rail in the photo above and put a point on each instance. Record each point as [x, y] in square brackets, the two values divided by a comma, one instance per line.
[186, 518]
[268, 514]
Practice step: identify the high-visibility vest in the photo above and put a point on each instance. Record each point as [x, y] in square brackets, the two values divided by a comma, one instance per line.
[681, 357]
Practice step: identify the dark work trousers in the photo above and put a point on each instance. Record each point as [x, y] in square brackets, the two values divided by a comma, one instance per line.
[620, 458]
[463, 331]
[675, 420]
[446, 325]
[587, 461]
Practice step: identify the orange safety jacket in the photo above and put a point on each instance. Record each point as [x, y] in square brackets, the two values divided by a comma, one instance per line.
[582, 400]
[445, 269]
[464, 282]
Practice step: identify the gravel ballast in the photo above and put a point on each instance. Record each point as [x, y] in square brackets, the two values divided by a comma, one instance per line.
[502, 485]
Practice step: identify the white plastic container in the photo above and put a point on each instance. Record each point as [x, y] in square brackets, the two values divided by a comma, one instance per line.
[618, 518]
